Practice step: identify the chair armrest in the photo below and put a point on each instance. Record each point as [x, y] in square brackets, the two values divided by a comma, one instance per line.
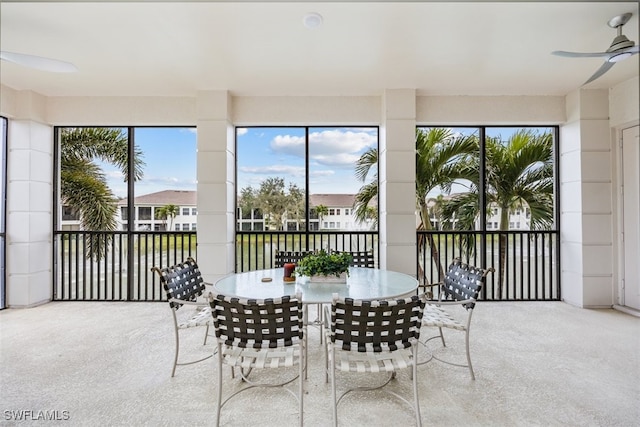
[449, 302]
[429, 294]
[193, 303]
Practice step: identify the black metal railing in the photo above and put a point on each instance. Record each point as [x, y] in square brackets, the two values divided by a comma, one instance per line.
[256, 250]
[526, 263]
[529, 270]
[123, 273]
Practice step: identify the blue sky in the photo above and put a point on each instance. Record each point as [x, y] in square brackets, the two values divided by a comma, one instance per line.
[280, 152]
[262, 152]
[170, 161]
[170, 158]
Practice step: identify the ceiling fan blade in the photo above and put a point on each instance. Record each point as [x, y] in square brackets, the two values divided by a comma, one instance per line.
[38, 62]
[581, 54]
[603, 69]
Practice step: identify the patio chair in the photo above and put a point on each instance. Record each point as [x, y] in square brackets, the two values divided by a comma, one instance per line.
[371, 337]
[458, 292]
[284, 257]
[359, 259]
[362, 259]
[259, 334]
[183, 284]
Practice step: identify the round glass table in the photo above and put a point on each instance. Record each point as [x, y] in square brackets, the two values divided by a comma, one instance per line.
[362, 283]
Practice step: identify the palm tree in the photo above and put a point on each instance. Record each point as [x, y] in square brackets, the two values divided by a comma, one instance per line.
[368, 192]
[83, 184]
[321, 211]
[438, 153]
[167, 212]
[439, 156]
[519, 174]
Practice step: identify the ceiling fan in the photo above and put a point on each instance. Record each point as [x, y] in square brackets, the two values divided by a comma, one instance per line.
[38, 62]
[621, 48]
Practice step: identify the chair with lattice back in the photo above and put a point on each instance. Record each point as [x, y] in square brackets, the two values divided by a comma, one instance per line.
[362, 259]
[370, 337]
[293, 257]
[456, 299]
[285, 257]
[183, 285]
[259, 334]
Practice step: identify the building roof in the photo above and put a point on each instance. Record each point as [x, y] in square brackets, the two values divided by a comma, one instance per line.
[190, 198]
[166, 197]
[334, 200]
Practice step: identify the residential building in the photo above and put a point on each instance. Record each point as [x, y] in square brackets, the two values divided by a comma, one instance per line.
[146, 215]
[340, 216]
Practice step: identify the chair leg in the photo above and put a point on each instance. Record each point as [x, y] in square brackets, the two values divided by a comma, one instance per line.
[320, 319]
[414, 380]
[303, 362]
[333, 388]
[305, 322]
[442, 337]
[466, 339]
[175, 358]
[219, 409]
[326, 364]
[206, 334]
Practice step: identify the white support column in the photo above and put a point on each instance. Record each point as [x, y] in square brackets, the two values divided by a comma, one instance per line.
[29, 204]
[586, 200]
[216, 187]
[397, 173]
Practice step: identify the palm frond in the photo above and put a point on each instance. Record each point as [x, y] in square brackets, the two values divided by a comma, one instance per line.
[363, 199]
[366, 162]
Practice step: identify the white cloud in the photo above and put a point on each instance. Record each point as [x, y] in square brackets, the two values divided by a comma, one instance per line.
[337, 160]
[287, 144]
[336, 147]
[241, 131]
[321, 173]
[113, 175]
[274, 169]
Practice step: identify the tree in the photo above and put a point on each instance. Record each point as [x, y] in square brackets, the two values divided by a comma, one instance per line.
[83, 185]
[519, 174]
[367, 163]
[295, 206]
[439, 156]
[434, 206]
[167, 212]
[438, 153]
[321, 211]
[276, 204]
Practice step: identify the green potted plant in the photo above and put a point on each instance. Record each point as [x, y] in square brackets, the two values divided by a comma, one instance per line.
[323, 266]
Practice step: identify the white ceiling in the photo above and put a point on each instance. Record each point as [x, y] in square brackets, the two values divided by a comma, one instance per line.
[263, 48]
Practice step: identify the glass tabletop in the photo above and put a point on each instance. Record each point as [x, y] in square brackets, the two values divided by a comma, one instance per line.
[362, 283]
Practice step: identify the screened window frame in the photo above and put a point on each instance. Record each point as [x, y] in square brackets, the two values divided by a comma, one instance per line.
[484, 212]
[306, 223]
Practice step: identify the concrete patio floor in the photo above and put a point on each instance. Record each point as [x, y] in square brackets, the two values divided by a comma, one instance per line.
[537, 364]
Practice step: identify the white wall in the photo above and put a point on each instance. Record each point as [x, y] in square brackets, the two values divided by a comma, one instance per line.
[589, 168]
[586, 200]
[29, 199]
[624, 112]
[397, 112]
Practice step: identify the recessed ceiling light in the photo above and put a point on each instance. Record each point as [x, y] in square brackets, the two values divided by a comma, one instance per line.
[312, 20]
